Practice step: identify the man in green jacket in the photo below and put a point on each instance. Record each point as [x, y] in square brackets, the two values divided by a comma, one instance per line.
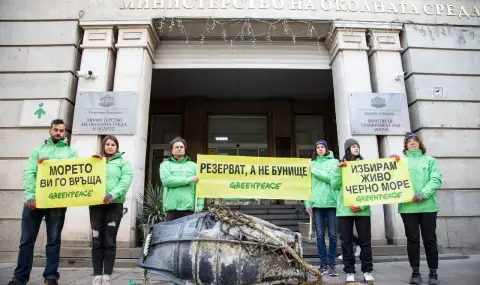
[421, 213]
[55, 147]
[179, 179]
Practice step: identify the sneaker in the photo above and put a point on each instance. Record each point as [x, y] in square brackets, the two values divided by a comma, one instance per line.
[98, 280]
[350, 277]
[332, 271]
[51, 282]
[324, 269]
[368, 276]
[13, 282]
[340, 257]
[416, 278]
[106, 280]
[433, 279]
[357, 251]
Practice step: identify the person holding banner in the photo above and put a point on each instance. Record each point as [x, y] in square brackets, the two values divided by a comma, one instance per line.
[55, 147]
[323, 205]
[105, 219]
[179, 178]
[350, 216]
[421, 213]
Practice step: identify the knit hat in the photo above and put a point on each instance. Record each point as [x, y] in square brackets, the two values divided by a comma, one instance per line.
[350, 142]
[322, 142]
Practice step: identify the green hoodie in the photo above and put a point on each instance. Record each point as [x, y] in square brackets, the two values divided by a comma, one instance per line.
[342, 210]
[426, 179]
[178, 187]
[323, 176]
[119, 177]
[49, 150]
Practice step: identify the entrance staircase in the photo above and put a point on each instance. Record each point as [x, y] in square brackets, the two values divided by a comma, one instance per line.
[286, 216]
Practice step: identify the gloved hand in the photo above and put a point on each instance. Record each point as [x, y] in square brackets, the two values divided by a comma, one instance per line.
[355, 209]
[342, 164]
[310, 211]
[418, 197]
[108, 199]
[31, 204]
[99, 156]
[397, 158]
[41, 159]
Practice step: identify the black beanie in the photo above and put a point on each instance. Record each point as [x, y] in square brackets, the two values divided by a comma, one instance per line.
[350, 142]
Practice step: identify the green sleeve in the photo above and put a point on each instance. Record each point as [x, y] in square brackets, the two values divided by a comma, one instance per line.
[200, 204]
[337, 179]
[169, 180]
[308, 204]
[435, 180]
[321, 174]
[363, 208]
[30, 175]
[125, 181]
[73, 153]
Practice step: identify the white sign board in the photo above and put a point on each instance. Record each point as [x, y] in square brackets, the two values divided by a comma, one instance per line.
[379, 113]
[105, 113]
[39, 112]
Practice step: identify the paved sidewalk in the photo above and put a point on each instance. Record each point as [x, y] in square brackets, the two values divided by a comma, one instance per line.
[455, 272]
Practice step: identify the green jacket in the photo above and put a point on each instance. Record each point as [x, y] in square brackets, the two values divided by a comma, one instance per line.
[426, 179]
[342, 210]
[119, 177]
[323, 176]
[49, 150]
[178, 187]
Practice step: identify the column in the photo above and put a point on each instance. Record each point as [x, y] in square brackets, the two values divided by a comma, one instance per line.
[387, 77]
[351, 74]
[136, 46]
[98, 56]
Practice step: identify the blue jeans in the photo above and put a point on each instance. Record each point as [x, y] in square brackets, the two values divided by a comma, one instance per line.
[330, 215]
[31, 221]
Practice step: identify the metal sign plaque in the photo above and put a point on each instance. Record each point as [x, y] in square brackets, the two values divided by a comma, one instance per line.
[379, 113]
[102, 113]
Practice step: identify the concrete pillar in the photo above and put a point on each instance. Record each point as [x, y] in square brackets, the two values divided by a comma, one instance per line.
[98, 56]
[386, 74]
[351, 74]
[136, 46]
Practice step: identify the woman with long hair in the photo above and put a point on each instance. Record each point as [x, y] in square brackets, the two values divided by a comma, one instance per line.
[105, 219]
[420, 215]
[349, 216]
[323, 205]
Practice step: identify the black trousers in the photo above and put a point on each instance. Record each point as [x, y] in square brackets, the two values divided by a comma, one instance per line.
[105, 221]
[363, 226]
[173, 215]
[427, 222]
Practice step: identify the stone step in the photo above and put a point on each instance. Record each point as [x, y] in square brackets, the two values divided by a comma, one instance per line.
[133, 262]
[393, 258]
[310, 250]
[257, 207]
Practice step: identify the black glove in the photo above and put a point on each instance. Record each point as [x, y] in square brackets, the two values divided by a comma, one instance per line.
[108, 199]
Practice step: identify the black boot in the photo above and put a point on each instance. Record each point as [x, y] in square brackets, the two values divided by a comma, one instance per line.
[416, 278]
[433, 279]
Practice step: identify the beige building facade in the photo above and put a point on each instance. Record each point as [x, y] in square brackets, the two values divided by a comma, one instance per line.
[199, 67]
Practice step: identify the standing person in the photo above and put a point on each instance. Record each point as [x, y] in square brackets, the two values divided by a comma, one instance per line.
[55, 147]
[323, 205]
[422, 211]
[105, 219]
[354, 215]
[179, 179]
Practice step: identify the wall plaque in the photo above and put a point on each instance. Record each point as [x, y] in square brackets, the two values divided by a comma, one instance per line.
[105, 113]
[379, 113]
